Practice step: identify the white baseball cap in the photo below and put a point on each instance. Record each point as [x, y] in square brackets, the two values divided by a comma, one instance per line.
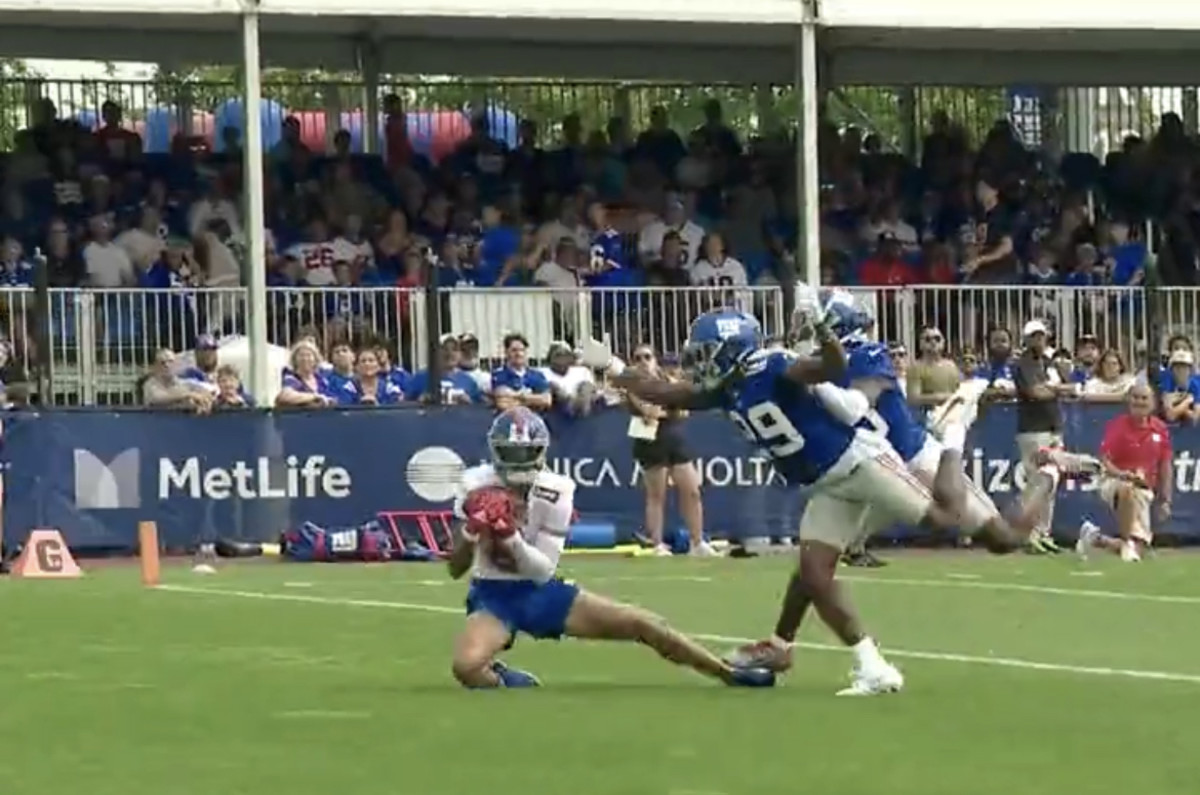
[1182, 356]
[1034, 327]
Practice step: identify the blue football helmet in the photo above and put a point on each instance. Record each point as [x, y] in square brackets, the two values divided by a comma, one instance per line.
[718, 342]
[519, 440]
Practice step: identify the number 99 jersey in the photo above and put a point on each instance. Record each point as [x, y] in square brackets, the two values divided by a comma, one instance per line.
[787, 421]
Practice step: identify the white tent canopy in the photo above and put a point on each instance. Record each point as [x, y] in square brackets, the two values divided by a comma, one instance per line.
[1104, 42]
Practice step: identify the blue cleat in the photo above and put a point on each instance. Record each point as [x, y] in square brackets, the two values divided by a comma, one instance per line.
[512, 677]
[752, 677]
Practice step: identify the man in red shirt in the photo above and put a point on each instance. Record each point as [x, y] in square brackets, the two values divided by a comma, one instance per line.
[1136, 452]
[886, 268]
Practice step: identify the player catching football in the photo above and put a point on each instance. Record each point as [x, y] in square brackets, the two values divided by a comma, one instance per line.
[513, 519]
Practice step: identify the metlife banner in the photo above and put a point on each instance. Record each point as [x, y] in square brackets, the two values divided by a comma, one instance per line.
[93, 474]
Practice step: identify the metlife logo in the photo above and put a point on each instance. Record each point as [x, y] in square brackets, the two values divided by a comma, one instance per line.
[116, 484]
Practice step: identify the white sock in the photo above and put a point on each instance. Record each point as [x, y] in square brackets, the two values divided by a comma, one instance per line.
[954, 437]
[866, 653]
[780, 642]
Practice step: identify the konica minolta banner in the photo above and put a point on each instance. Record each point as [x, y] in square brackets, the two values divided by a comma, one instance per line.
[94, 474]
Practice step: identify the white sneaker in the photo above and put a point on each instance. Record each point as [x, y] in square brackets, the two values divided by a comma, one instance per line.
[662, 551]
[1087, 539]
[873, 681]
[704, 550]
[1129, 552]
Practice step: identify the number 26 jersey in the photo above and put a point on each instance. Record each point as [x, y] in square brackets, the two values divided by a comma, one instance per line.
[786, 421]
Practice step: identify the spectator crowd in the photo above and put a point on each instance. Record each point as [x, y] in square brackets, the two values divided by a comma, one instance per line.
[608, 208]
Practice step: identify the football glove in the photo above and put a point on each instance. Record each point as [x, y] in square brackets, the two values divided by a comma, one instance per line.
[491, 511]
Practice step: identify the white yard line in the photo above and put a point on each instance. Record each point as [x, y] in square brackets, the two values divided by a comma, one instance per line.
[1002, 662]
[984, 585]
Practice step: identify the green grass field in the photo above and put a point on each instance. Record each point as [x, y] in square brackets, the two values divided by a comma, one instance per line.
[1025, 675]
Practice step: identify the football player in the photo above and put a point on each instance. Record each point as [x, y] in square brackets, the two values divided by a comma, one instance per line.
[514, 514]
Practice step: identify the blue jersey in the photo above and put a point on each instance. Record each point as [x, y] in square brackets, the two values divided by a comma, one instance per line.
[892, 417]
[785, 420]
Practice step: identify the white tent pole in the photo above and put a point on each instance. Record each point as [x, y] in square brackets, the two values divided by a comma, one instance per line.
[368, 64]
[808, 188]
[252, 165]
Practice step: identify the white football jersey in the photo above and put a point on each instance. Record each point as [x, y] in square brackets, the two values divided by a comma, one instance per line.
[568, 383]
[360, 254]
[317, 261]
[550, 507]
[727, 273]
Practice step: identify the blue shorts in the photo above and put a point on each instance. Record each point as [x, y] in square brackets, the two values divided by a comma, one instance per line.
[538, 610]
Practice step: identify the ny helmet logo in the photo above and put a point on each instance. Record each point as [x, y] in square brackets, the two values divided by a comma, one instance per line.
[101, 486]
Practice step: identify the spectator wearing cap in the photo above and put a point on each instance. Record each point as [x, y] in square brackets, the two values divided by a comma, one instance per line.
[455, 387]
[204, 368]
[1039, 418]
[305, 385]
[106, 263]
[1180, 388]
[468, 361]
[517, 384]
[572, 386]
[886, 268]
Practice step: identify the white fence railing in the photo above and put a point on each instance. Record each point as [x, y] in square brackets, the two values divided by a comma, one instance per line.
[101, 341]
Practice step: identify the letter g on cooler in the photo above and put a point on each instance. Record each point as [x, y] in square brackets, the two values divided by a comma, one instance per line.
[49, 552]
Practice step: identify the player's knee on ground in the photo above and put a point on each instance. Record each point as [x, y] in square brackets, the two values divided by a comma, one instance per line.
[470, 665]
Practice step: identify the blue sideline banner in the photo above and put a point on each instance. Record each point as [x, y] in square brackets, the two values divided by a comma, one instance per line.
[93, 474]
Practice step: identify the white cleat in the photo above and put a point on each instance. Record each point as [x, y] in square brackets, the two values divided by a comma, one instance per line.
[1087, 539]
[1129, 553]
[662, 551]
[961, 408]
[704, 550]
[877, 680]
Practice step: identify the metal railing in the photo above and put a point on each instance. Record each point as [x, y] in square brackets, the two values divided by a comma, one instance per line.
[1078, 119]
[101, 341]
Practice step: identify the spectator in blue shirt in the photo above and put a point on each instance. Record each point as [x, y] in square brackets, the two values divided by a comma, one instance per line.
[15, 269]
[1181, 388]
[516, 384]
[372, 387]
[341, 357]
[456, 386]
[204, 368]
[394, 373]
[305, 385]
[1087, 356]
[1125, 257]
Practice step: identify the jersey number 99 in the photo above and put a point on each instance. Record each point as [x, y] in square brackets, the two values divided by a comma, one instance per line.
[766, 426]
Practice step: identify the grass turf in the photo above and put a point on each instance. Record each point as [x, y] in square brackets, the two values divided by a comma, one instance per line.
[1025, 675]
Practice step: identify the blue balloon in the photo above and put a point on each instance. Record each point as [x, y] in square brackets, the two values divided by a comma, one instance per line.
[503, 125]
[88, 118]
[156, 136]
[229, 114]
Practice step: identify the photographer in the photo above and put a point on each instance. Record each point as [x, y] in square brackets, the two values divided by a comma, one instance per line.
[660, 450]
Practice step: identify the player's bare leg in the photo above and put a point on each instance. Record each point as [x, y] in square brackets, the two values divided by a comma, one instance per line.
[474, 663]
[594, 617]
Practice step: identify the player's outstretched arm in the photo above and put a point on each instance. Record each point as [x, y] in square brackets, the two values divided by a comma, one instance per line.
[830, 365]
[679, 395]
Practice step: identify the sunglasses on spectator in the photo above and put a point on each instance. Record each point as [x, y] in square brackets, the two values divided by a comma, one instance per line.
[644, 357]
[932, 338]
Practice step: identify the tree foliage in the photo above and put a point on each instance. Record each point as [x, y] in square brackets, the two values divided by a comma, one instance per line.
[15, 99]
